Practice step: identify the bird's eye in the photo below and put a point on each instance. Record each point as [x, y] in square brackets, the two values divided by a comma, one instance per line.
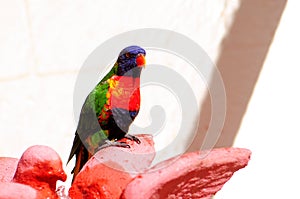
[128, 55]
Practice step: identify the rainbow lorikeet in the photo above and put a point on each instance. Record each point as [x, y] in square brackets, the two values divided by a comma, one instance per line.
[110, 108]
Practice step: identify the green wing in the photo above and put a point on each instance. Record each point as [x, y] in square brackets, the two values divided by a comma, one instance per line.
[88, 125]
[97, 98]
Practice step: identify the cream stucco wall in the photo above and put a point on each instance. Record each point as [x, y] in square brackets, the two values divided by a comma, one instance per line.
[43, 44]
[270, 127]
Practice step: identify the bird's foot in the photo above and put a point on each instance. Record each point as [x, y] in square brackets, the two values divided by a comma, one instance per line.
[133, 138]
[109, 143]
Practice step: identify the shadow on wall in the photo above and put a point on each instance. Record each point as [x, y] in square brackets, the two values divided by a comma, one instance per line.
[242, 56]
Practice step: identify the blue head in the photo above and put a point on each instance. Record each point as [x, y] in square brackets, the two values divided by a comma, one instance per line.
[131, 60]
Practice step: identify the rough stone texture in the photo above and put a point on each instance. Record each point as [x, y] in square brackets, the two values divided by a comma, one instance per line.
[18, 191]
[133, 160]
[8, 168]
[194, 175]
[99, 181]
[109, 171]
[40, 167]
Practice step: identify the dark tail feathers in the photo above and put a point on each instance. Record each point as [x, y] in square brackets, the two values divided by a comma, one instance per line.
[81, 153]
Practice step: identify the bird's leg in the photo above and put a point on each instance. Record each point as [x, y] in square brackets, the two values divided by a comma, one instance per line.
[133, 138]
[109, 143]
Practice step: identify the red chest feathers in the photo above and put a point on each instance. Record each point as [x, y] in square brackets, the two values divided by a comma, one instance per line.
[124, 92]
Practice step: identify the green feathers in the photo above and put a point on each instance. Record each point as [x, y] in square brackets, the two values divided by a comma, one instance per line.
[98, 97]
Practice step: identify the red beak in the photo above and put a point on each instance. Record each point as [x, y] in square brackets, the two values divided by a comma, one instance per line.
[140, 60]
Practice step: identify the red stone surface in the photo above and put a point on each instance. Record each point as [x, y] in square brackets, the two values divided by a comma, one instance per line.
[99, 181]
[194, 175]
[8, 167]
[40, 167]
[18, 191]
[109, 171]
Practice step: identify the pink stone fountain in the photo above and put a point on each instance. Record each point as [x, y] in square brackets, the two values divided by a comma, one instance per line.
[116, 173]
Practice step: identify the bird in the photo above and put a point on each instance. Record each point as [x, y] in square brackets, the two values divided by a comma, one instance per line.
[110, 108]
[40, 167]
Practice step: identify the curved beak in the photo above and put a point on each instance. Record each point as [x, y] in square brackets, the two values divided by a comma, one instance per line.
[140, 60]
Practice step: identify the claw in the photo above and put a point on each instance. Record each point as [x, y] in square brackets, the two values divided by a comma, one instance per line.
[133, 138]
[123, 144]
[109, 143]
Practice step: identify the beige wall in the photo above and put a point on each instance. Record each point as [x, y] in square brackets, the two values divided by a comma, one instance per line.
[44, 43]
[270, 127]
